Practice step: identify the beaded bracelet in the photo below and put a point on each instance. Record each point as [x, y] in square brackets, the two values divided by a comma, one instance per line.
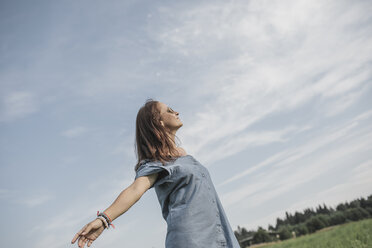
[105, 216]
[103, 220]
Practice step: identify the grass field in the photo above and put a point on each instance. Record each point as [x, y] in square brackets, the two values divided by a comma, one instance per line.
[350, 235]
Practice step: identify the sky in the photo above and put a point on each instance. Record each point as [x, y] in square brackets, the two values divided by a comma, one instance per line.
[274, 96]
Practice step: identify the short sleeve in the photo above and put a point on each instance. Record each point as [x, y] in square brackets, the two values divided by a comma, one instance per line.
[149, 168]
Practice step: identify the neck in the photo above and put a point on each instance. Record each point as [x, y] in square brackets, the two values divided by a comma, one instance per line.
[172, 135]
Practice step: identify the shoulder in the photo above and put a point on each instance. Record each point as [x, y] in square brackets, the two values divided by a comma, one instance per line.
[143, 162]
[148, 162]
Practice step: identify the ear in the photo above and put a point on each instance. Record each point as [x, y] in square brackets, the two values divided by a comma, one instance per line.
[162, 123]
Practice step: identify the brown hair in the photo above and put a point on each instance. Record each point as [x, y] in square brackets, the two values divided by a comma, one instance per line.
[152, 139]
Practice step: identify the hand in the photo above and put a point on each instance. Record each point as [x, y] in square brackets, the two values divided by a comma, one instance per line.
[89, 233]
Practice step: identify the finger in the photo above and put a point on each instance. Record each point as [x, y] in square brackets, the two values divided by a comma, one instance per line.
[90, 243]
[78, 234]
[75, 238]
[81, 241]
[85, 241]
[87, 229]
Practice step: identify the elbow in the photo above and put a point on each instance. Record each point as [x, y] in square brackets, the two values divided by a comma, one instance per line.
[138, 189]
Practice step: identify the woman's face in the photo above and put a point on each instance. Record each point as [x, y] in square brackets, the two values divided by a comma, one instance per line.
[169, 117]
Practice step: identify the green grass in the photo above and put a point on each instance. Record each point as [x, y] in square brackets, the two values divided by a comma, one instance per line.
[351, 235]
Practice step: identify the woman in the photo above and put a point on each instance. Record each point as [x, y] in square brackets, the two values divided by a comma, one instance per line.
[189, 202]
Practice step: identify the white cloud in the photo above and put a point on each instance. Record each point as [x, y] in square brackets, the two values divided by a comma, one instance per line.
[279, 182]
[324, 139]
[17, 105]
[77, 213]
[75, 132]
[26, 198]
[291, 171]
[52, 240]
[276, 62]
[263, 59]
[234, 144]
[359, 181]
[340, 104]
[125, 148]
[33, 201]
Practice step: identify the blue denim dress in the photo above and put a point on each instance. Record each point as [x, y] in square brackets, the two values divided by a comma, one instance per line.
[190, 205]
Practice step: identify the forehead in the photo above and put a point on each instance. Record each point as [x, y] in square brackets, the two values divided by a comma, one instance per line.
[162, 106]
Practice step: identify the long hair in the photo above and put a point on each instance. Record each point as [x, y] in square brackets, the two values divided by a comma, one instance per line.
[152, 139]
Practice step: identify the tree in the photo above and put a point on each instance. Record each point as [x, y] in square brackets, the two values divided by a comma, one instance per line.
[310, 221]
[341, 207]
[325, 209]
[331, 210]
[355, 204]
[299, 218]
[337, 218]
[353, 214]
[289, 218]
[261, 236]
[302, 229]
[241, 233]
[279, 222]
[318, 209]
[368, 203]
[314, 224]
[271, 228]
[369, 210]
[284, 233]
[325, 219]
[308, 213]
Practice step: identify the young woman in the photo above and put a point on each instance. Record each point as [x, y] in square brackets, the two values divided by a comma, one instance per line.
[189, 202]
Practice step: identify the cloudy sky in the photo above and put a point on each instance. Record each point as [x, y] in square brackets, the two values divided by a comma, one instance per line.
[275, 97]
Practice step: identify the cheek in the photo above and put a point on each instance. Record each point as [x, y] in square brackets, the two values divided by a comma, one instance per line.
[172, 121]
[169, 119]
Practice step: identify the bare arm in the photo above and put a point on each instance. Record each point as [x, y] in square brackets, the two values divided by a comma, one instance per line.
[126, 199]
[129, 196]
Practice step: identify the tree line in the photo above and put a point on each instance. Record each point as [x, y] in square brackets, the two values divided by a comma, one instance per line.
[306, 222]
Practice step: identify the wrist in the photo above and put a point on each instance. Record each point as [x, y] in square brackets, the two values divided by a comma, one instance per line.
[103, 221]
[105, 218]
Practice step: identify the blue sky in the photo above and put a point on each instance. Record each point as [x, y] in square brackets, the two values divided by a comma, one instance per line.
[275, 97]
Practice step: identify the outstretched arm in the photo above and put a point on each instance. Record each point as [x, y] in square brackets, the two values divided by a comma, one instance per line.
[129, 196]
[126, 199]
